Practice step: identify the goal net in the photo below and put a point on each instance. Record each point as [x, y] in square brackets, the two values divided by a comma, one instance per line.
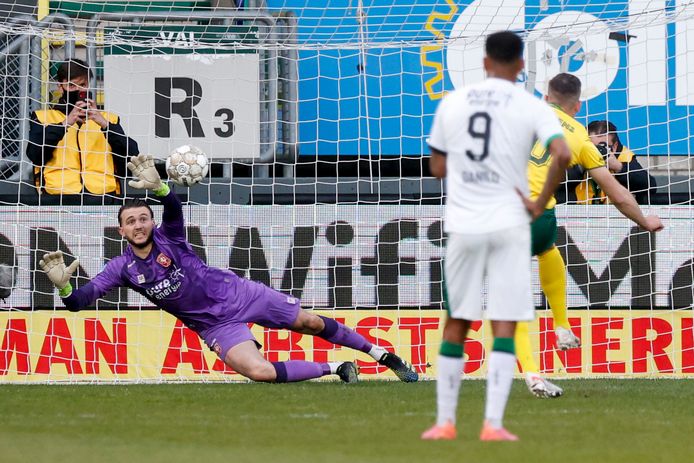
[315, 118]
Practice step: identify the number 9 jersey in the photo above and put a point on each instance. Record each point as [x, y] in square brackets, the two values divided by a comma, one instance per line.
[486, 131]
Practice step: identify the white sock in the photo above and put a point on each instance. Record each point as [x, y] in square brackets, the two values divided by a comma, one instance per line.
[448, 375]
[333, 366]
[377, 352]
[499, 380]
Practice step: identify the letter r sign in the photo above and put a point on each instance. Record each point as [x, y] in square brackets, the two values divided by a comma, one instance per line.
[209, 100]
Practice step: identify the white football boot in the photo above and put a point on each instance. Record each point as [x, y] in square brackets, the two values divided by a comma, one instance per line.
[542, 388]
[566, 339]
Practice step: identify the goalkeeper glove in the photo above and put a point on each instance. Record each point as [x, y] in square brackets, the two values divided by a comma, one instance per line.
[54, 266]
[142, 168]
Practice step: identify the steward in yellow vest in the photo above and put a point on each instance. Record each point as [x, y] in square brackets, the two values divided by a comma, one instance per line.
[79, 152]
[82, 157]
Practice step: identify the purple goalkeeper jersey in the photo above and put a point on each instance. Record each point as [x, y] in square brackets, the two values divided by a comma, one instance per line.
[173, 278]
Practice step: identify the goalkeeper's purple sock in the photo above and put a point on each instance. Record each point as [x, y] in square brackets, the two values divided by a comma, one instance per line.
[339, 334]
[299, 370]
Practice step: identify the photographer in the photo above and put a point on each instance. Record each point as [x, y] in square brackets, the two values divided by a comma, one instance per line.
[621, 161]
[78, 151]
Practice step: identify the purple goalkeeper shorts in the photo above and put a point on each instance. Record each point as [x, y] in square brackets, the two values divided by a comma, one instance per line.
[269, 308]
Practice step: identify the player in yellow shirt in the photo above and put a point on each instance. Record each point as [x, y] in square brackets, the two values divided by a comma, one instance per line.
[564, 95]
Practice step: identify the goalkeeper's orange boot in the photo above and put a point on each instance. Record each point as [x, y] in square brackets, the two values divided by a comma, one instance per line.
[446, 431]
[490, 433]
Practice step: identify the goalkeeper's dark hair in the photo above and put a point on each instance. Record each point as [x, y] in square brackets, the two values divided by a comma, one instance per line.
[601, 127]
[70, 69]
[504, 47]
[132, 204]
[565, 87]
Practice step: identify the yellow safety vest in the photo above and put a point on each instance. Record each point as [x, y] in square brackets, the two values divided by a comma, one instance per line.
[588, 191]
[82, 159]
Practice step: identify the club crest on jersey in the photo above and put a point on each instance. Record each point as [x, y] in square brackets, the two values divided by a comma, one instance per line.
[163, 260]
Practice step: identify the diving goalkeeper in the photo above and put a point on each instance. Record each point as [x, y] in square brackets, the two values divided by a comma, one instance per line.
[215, 303]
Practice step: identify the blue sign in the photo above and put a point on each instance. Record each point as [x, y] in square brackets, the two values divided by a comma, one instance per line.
[370, 80]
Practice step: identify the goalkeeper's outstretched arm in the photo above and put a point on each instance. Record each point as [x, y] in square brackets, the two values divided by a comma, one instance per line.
[81, 298]
[59, 274]
[147, 177]
[172, 220]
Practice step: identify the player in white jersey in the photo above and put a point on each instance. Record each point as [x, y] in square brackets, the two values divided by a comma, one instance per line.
[480, 141]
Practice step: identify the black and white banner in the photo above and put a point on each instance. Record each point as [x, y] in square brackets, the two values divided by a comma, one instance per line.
[349, 256]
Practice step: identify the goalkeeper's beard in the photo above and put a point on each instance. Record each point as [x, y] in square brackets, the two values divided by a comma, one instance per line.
[148, 241]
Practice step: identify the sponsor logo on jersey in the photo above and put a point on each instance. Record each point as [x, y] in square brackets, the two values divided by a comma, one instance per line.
[163, 260]
[291, 300]
[140, 278]
[170, 284]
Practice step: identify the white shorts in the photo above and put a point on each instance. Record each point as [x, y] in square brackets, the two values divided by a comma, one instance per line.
[504, 257]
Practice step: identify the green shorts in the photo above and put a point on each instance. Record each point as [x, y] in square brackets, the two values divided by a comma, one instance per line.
[544, 232]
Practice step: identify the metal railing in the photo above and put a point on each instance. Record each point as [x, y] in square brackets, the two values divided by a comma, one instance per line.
[21, 68]
[278, 121]
[269, 75]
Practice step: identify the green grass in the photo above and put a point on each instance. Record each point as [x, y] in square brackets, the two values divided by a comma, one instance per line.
[596, 421]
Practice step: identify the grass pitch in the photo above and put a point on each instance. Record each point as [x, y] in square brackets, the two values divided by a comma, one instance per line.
[596, 421]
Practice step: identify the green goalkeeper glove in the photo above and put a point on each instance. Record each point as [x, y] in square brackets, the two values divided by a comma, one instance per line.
[54, 266]
[142, 168]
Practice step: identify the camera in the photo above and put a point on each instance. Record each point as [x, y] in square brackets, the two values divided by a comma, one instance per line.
[73, 97]
[84, 95]
[604, 150]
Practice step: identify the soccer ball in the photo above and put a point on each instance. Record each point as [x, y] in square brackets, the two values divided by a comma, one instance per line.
[186, 165]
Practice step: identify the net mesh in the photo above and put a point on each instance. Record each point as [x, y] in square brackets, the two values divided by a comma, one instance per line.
[315, 116]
